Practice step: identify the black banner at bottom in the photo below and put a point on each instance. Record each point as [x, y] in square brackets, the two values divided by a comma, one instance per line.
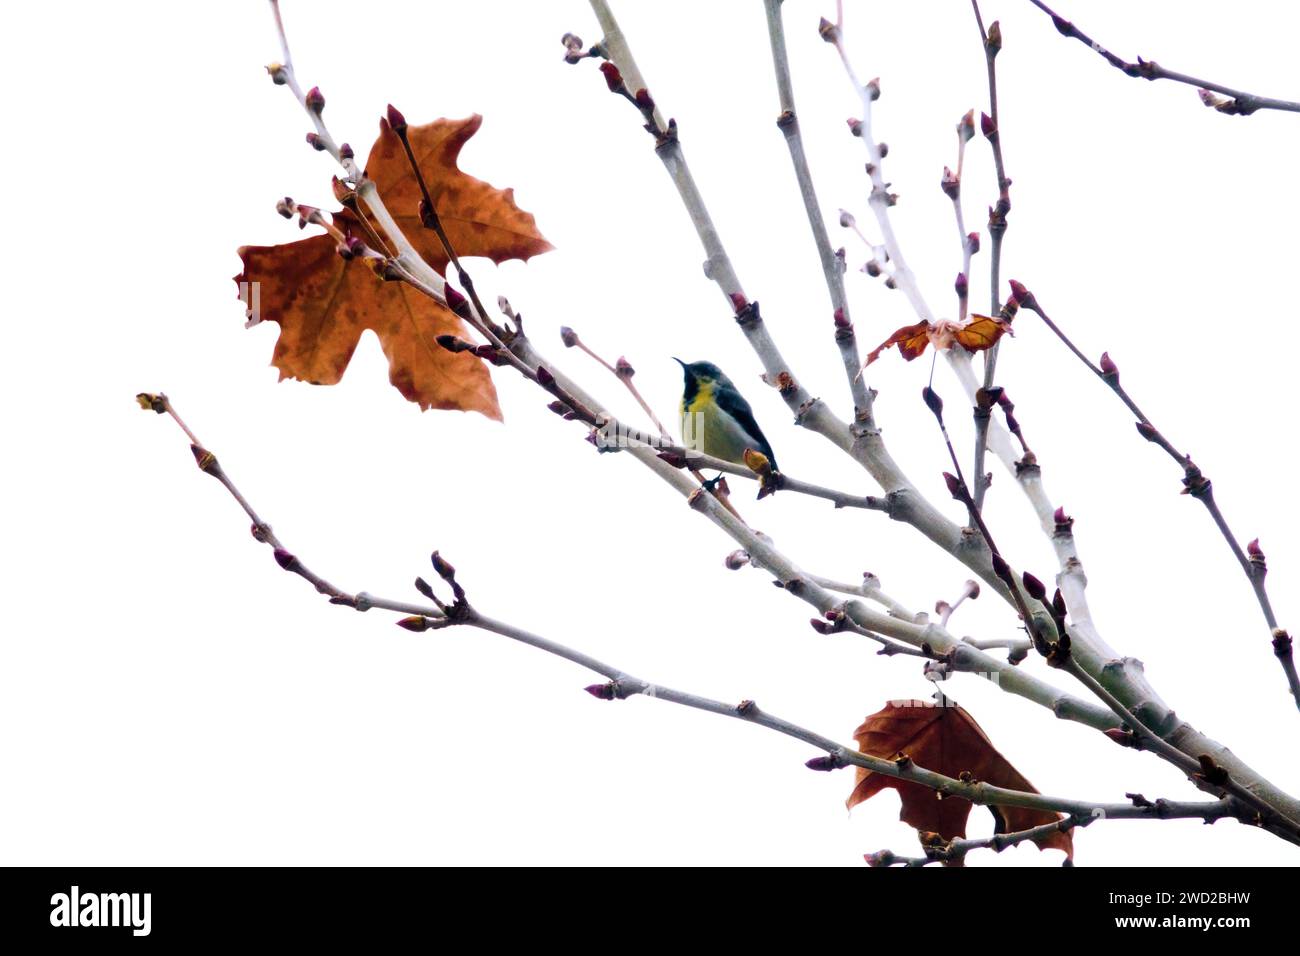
[615, 907]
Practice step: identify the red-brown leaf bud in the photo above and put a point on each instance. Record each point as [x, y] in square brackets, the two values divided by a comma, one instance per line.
[950, 184]
[613, 78]
[606, 691]
[1023, 297]
[315, 100]
[736, 560]
[1000, 566]
[1034, 587]
[396, 121]
[824, 764]
[954, 486]
[1124, 738]
[455, 301]
[343, 193]
[966, 127]
[962, 285]
[1064, 523]
[987, 126]
[623, 368]
[1109, 370]
[993, 41]
[443, 568]
[416, 622]
[453, 343]
[973, 242]
[315, 142]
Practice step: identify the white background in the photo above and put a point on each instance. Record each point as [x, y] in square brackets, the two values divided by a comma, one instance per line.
[167, 695]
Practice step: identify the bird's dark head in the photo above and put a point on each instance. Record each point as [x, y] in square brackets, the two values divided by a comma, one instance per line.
[701, 373]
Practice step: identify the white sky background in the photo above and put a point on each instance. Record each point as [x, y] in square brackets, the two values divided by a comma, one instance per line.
[169, 696]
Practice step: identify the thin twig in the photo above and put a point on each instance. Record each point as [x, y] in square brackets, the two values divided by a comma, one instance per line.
[991, 39]
[832, 265]
[881, 199]
[1239, 102]
[1251, 559]
[621, 684]
[262, 532]
[1042, 630]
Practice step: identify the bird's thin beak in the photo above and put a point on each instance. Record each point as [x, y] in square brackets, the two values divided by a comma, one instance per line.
[679, 361]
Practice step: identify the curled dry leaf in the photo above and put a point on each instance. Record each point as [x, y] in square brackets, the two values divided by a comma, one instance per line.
[323, 303]
[975, 336]
[948, 741]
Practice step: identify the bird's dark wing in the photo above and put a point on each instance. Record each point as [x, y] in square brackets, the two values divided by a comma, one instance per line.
[734, 404]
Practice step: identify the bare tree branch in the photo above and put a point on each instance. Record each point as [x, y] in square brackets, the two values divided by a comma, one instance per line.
[832, 265]
[991, 39]
[622, 685]
[1239, 102]
[1251, 560]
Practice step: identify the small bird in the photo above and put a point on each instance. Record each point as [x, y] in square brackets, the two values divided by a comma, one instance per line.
[716, 419]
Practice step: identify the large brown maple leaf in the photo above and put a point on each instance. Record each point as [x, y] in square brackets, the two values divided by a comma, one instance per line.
[948, 741]
[323, 303]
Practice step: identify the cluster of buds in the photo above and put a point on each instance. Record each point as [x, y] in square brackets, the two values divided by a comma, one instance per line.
[573, 49]
[457, 612]
[350, 247]
[152, 403]
[986, 398]
[971, 592]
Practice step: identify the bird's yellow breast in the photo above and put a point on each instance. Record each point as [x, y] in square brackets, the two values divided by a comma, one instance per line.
[707, 428]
